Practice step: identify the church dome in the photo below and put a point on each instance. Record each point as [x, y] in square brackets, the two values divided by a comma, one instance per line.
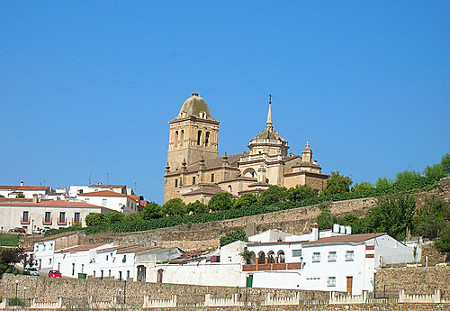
[195, 106]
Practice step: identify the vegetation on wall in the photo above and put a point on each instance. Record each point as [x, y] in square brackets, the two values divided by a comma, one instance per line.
[395, 212]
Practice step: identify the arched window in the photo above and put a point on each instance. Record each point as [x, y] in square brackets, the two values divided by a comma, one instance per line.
[206, 138]
[281, 257]
[262, 258]
[181, 137]
[230, 189]
[199, 137]
[252, 259]
[175, 143]
[271, 256]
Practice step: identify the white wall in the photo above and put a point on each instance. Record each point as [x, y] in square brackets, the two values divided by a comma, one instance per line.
[44, 254]
[112, 264]
[392, 251]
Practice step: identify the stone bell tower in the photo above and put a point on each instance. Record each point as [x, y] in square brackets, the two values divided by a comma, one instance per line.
[194, 134]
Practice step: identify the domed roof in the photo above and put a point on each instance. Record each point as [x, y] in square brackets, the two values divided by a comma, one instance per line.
[195, 106]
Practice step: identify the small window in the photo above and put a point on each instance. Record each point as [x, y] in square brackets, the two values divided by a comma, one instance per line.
[49, 261]
[76, 218]
[109, 273]
[332, 256]
[316, 257]
[25, 216]
[82, 268]
[193, 180]
[73, 268]
[104, 202]
[199, 137]
[206, 139]
[47, 217]
[212, 177]
[51, 246]
[349, 255]
[176, 183]
[271, 257]
[62, 217]
[128, 274]
[331, 282]
[107, 257]
[296, 253]
[124, 259]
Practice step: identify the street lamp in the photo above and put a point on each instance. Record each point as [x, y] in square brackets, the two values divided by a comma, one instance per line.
[17, 285]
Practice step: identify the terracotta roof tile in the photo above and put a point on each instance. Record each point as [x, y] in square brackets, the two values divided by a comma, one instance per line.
[25, 187]
[135, 249]
[80, 248]
[342, 239]
[105, 193]
[117, 247]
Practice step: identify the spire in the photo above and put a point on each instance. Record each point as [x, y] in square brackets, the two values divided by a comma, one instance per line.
[269, 114]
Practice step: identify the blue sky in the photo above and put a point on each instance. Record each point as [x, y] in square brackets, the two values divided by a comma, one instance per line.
[87, 88]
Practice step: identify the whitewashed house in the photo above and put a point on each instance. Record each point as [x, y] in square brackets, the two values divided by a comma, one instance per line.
[27, 191]
[44, 252]
[118, 202]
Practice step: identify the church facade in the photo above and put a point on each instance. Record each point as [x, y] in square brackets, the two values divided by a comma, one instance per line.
[195, 171]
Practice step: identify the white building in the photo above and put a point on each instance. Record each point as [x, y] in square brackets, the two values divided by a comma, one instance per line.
[74, 191]
[44, 252]
[32, 214]
[118, 202]
[27, 191]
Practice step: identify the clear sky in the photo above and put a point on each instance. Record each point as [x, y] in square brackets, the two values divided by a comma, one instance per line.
[87, 87]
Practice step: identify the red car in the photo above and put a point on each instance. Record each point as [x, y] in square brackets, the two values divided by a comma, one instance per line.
[54, 274]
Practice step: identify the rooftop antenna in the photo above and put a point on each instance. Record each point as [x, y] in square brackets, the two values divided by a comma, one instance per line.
[90, 180]
[134, 186]
[107, 178]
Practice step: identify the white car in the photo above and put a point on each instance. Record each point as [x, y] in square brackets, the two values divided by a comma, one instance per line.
[33, 271]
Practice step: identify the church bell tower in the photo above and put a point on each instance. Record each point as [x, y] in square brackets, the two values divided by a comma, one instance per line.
[194, 134]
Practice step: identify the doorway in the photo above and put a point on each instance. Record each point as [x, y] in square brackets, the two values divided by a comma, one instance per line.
[349, 284]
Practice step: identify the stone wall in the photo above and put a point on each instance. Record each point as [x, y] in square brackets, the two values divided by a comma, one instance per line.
[419, 280]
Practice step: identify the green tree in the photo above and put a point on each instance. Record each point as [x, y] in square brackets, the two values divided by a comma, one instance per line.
[221, 201]
[197, 208]
[114, 217]
[10, 256]
[299, 193]
[431, 219]
[392, 214]
[434, 173]
[20, 195]
[358, 225]
[326, 219]
[236, 235]
[151, 211]
[443, 244]
[94, 219]
[272, 195]
[337, 184]
[445, 162]
[245, 200]
[174, 207]
[384, 184]
[409, 180]
[133, 217]
[364, 188]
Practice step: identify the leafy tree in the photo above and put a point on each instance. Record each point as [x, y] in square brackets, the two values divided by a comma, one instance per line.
[133, 217]
[358, 225]
[393, 215]
[114, 217]
[94, 219]
[384, 184]
[434, 173]
[273, 194]
[221, 201]
[364, 188]
[443, 244]
[236, 235]
[445, 162]
[299, 193]
[174, 207]
[409, 180]
[197, 208]
[151, 211]
[431, 219]
[77, 226]
[326, 219]
[337, 184]
[10, 256]
[20, 195]
[245, 200]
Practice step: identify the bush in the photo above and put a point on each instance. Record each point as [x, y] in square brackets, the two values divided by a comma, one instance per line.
[236, 235]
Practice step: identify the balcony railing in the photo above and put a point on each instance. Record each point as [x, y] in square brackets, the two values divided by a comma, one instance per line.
[62, 221]
[273, 266]
[76, 220]
[46, 221]
[25, 220]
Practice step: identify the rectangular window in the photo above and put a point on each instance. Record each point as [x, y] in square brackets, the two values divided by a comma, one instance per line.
[25, 216]
[120, 275]
[176, 183]
[332, 256]
[124, 259]
[212, 177]
[73, 269]
[316, 257]
[62, 217]
[48, 217]
[82, 268]
[103, 202]
[296, 253]
[349, 255]
[128, 274]
[331, 281]
[107, 257]
[193, 180]
[77, 218]
[49, 261]
[109, 273]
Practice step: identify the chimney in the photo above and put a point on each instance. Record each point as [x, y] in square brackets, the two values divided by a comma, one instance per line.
[35, 198]
[21, 183]
[315, 232]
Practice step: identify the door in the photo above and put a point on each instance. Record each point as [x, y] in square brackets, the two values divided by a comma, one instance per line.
[349, 284]
[160, 276]
[250, 281]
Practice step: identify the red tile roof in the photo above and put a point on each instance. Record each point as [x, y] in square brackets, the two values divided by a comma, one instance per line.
[135, 249]
[25, 187]
[80, 248]
[343, 239]
[45, 203]
[117, 247]
[106, 193]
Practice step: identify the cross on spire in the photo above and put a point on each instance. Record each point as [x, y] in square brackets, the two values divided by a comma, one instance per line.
[269, 114]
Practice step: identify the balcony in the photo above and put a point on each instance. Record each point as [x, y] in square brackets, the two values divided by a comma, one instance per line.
[62, 222]
[76, 220]
[273, 267]
[25, 220]
[46, 221]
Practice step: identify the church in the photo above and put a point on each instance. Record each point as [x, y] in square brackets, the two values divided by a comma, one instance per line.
[195, 171]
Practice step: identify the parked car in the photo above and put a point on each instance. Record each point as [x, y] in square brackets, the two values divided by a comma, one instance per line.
[40, 231]
[33, 271]
[17, 230]
[54, 274]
